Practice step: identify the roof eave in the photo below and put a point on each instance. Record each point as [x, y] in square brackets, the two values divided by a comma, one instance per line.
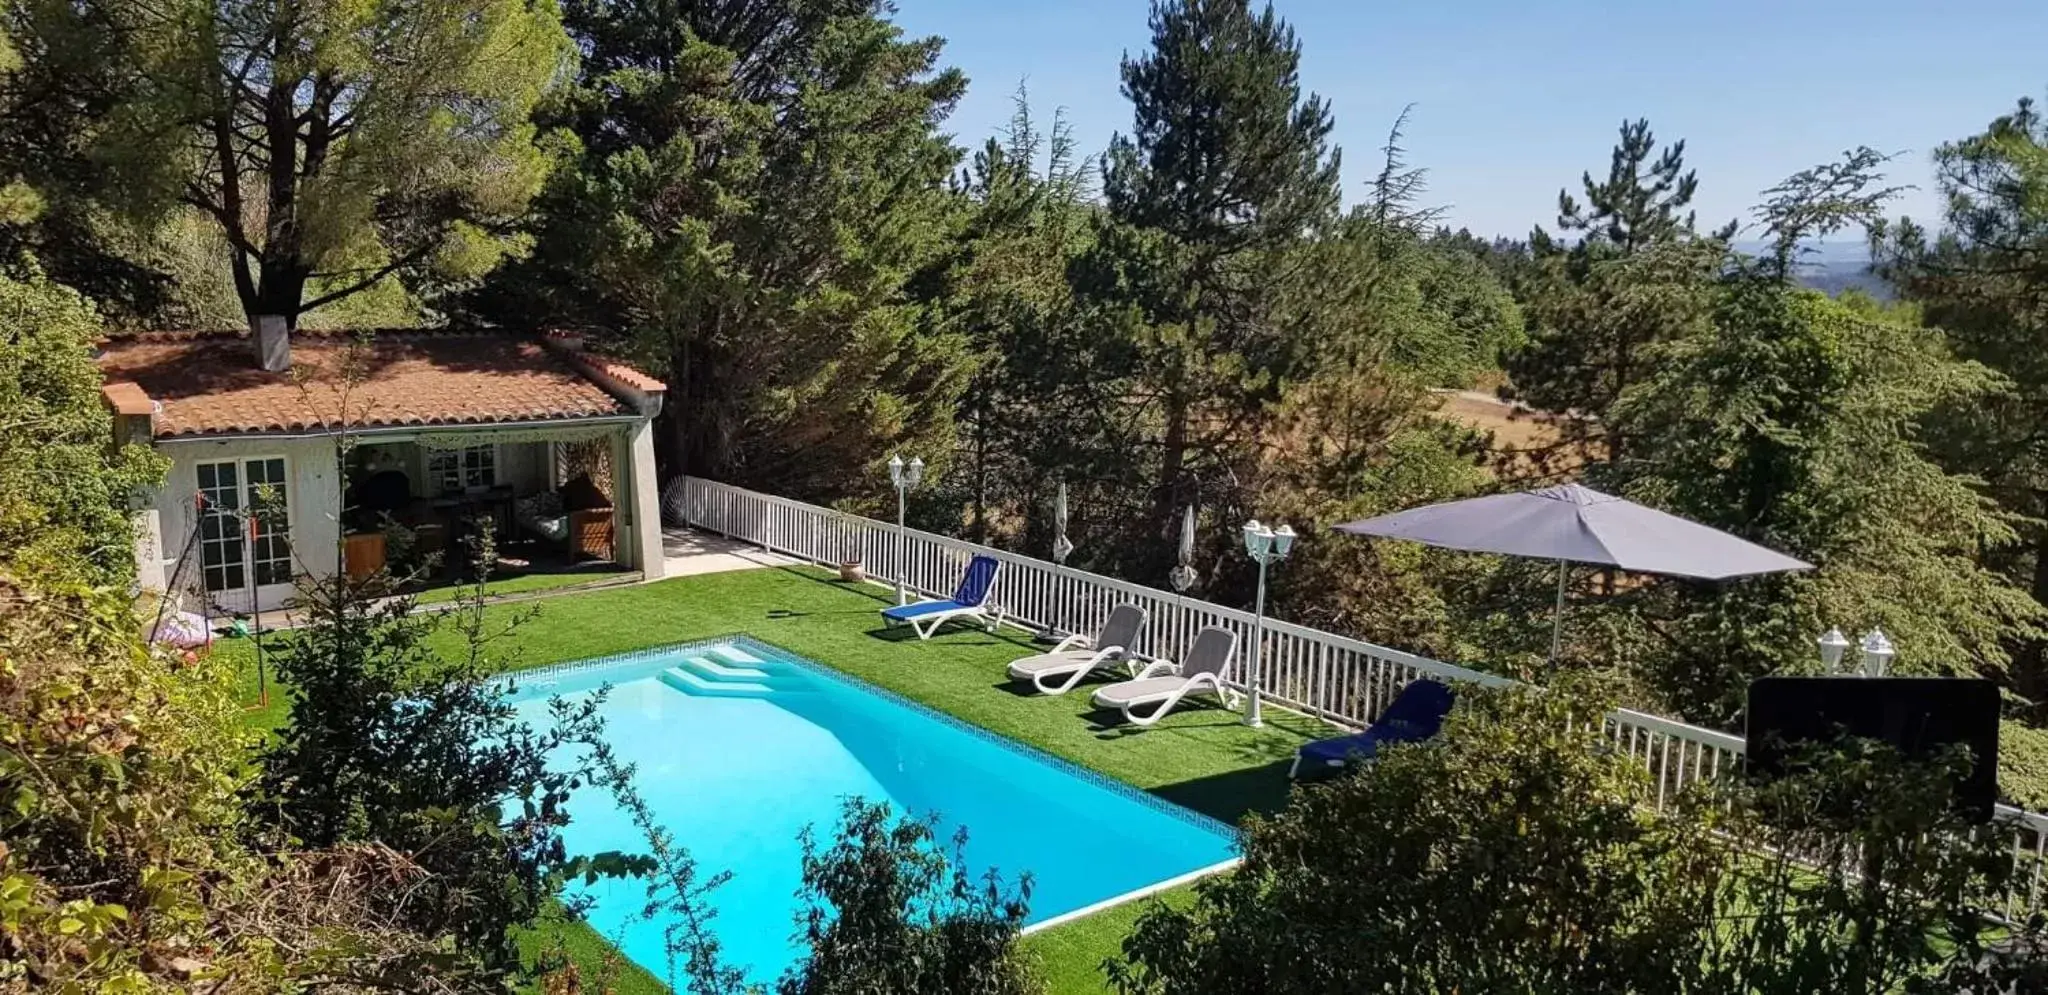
[363, 431]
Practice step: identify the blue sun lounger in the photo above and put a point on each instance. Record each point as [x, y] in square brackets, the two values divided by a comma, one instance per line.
[1414, 716]
[969, 600]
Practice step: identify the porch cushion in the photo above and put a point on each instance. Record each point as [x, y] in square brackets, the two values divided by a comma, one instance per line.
[542, 515]
[904, 613]
[1138, 691]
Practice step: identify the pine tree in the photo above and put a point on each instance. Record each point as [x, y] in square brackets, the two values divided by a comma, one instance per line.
[1594, 307]
[1638, 203]
[1983, 279]
[1228, 171]
[1004, 288]
[757, 187]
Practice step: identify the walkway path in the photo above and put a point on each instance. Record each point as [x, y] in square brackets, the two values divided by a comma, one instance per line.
[688, 551]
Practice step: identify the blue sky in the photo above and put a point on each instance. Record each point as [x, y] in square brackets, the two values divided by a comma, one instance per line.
[1516, 99]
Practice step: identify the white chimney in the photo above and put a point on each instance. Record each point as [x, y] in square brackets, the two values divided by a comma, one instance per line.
[273, 343]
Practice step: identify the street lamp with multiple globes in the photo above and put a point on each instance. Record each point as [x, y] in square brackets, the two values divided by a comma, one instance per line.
[1876, 646]
[905, 477]
[1265, 546]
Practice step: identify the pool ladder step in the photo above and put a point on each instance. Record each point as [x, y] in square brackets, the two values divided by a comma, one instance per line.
[704, 666]
[702, 675]
[688, 682]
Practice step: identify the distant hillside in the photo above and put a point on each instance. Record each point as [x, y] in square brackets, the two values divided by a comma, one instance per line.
[1832, 267]
[1833, 278]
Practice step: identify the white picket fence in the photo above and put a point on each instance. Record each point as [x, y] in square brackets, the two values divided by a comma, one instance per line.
[1334, 678]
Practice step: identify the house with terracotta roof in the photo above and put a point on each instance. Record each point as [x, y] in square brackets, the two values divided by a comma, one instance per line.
[301, 454]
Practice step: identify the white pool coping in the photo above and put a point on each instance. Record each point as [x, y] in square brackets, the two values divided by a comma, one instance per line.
[1134, 895]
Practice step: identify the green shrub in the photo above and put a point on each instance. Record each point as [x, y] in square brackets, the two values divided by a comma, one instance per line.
[1517, 854]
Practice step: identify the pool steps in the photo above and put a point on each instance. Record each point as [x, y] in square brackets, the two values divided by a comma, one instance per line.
[738, 675]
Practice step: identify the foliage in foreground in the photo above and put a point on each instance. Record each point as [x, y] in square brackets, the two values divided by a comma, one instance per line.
[125, 866]
[127, 862]
[394, 743]
[1517, 854]
[892, 910]
[888, 909]
[63, 489]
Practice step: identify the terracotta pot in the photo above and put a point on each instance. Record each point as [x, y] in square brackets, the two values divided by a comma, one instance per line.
[850, 571]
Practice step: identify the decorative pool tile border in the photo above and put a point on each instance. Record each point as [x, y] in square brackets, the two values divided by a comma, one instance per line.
[815, 668]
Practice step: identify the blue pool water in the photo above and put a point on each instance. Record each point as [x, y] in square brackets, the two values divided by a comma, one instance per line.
[740, 745]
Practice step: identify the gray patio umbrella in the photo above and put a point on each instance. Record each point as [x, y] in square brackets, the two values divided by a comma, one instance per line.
[1182, 576]
[1061, 546]
[1574, 524]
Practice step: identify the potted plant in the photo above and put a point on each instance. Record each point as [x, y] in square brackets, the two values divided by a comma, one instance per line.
[850, 568]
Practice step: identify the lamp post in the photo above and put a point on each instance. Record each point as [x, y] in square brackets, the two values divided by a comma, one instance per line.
[905, 477]
[1832, 645]
[1266, 546]
[1877, 653]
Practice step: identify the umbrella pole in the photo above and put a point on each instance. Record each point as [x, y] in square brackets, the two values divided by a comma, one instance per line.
[1557, 615]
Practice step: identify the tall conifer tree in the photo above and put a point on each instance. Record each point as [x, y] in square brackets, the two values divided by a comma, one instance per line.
[758, 187]
[1595, 307]
[1228, 170]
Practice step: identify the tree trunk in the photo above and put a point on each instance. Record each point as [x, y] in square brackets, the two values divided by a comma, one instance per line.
[695, 427]
[1168, 497]
[280, 286]
[281, 271]
[672, 427]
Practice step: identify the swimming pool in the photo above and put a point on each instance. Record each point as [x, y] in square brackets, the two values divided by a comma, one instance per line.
[740, 745]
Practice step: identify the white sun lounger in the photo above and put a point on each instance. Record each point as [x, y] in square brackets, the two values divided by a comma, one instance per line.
[1161, 686]
[1077, 656]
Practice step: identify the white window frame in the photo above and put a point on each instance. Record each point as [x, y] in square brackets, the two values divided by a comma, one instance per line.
[462, 468]
[246, 558]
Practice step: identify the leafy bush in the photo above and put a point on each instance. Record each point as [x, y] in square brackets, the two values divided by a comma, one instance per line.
[1512, 855]
[122, 864]
[1517, 854]
[64, 488]
[395, 743]
[892, 911]
[1854, 873]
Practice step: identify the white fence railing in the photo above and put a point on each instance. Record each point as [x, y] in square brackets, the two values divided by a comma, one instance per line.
[1331, 677]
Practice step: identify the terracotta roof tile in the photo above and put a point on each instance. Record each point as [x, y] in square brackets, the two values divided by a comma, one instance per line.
[128, 399]
[209, 383]
[624, 374]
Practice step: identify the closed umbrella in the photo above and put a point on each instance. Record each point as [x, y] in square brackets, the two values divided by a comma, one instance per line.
[1062, 547]
[1182, 576]
[1573, 524]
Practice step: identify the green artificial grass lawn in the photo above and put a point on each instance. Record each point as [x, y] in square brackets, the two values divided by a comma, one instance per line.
[1202, 757]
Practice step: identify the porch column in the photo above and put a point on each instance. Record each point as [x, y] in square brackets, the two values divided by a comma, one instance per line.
[149, 545]
[636, 517]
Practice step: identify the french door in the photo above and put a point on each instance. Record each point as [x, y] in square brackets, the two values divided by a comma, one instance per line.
[245, 543]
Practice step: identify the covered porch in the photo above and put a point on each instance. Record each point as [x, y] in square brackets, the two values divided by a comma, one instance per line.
[548, 500]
